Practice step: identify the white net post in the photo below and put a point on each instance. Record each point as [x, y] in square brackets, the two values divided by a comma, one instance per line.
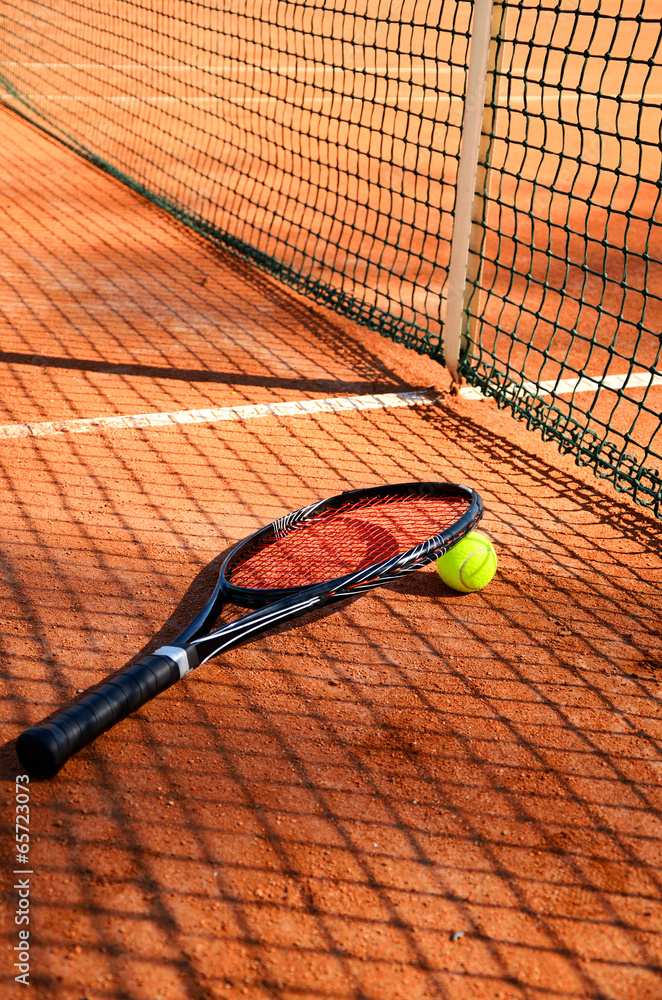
[466, 184]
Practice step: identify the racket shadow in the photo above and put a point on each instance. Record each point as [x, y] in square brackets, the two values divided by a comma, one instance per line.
[425, 583]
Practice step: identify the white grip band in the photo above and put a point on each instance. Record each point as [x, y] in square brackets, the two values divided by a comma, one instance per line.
[179, 655]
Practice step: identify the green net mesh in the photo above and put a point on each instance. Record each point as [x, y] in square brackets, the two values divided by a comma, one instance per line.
[318, 139]
[566, 306]
[321, 141]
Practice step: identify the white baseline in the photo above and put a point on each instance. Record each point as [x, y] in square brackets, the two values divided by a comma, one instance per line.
[298, 408]
[568, 386]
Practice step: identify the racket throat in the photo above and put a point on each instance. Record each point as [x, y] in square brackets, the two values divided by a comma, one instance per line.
[248, 626]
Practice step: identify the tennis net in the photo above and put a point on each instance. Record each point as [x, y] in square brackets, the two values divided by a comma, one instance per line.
[565, 310]
[321, 141]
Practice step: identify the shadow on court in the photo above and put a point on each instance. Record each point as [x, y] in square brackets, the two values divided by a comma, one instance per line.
[354, 792]
[415, 795]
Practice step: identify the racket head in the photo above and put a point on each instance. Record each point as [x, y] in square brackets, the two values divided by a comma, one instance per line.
[350, 542]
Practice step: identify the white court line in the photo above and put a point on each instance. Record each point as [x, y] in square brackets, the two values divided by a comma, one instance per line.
[567, 386]
[222, 69]
[517, 104]
[300, 408]
[313, 99]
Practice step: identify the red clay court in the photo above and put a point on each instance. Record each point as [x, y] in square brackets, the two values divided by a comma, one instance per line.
[319, 813]
[415, 795]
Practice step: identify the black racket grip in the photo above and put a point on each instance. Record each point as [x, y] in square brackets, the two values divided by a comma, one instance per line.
[43, 749]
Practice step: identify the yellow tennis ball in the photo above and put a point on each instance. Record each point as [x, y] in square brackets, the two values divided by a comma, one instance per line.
[469, 565]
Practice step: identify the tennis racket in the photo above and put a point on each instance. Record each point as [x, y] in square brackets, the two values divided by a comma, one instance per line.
[325, 552]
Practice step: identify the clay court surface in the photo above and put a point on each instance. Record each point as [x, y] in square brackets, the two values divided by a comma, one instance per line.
[418, 795]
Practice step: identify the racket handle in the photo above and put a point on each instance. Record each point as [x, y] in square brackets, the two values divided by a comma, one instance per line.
[43, 749]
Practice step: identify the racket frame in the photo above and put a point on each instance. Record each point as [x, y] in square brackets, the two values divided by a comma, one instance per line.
[284, 603]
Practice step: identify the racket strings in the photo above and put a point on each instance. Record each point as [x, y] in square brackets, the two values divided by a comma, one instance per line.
[343, 540]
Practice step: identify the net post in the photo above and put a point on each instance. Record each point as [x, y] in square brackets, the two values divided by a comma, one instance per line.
[472, 120]
[495, 121]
